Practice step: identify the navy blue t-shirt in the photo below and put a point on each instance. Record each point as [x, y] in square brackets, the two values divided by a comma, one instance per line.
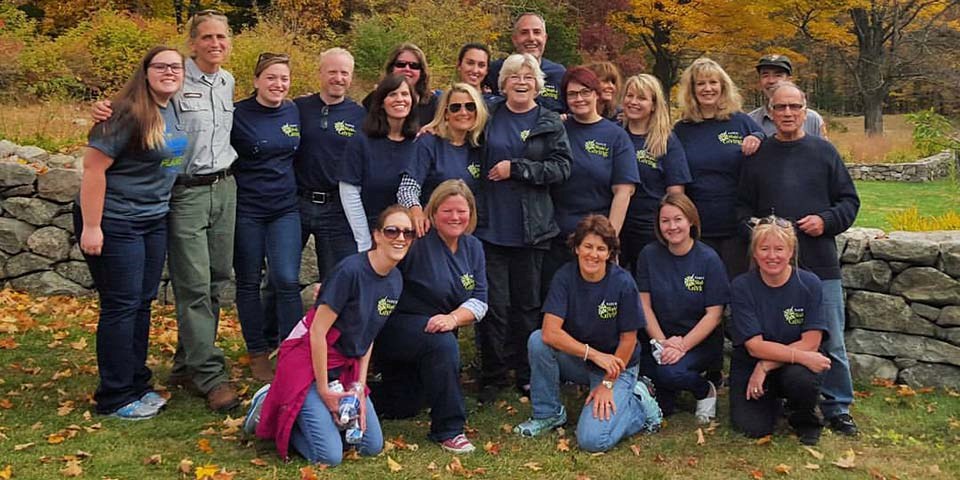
[438, 160]
[681, 287]
[266, 140]
[714, 157]
[780, 314]
[603, 156]
[550, 97]
[139, 183]
[656, 174]
[437, 280]
[325, 130]
[362, 298]
[596, 313]
[376, 165]
[505, 141]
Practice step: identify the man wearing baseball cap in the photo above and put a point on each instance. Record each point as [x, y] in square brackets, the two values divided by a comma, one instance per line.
[771, 70]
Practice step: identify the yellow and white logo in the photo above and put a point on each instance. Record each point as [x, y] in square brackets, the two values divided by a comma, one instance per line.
[385, 306]
[344, 129]
[693, 282]
[793, 316]
[644, 158]
[607, 310]
[597, 148]
[468, 281]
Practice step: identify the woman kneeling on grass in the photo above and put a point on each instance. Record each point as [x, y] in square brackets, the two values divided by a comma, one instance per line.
[589, 336]
[121, 220]
[777, 330]
[335, 344]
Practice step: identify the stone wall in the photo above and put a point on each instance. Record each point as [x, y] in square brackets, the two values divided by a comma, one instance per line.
[903, 305]
[923, 170]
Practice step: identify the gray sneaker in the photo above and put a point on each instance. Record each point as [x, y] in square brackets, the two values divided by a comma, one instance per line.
[135, 410]
[707, 408]
[253, 415]
[154, 399]
[652, 414]
[535, 426]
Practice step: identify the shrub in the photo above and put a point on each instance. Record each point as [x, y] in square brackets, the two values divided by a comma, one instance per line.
[910, 220]
[932, 132]
[270, 36]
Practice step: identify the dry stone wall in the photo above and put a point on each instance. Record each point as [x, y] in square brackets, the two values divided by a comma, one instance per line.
[923, 170]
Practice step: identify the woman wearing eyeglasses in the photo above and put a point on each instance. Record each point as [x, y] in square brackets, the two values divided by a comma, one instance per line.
[409, 61]
[683, 288]
[120, 218]
[266, 134]
[375, 161]
[525, 152]
[334, 342]
[444, 288]
[777, 330]
[449, 152]
[603, 174]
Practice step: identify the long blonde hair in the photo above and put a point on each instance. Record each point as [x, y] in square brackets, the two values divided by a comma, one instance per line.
[730, 100]
[441, 127]
[660, 126]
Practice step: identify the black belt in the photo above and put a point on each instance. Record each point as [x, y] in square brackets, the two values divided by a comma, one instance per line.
[202, 180]
[319, 197]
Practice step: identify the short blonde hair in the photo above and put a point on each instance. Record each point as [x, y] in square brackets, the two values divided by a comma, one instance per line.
[452, 188]
[515, 62]
[441, 127]
[774, 227]
[730, 100]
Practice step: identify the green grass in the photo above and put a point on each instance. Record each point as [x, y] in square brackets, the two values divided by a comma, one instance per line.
[905, 436]
[879, 199]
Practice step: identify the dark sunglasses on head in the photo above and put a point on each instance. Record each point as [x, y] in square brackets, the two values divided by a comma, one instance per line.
[771, 220]
[280, 57]
[412, 65]
[202, 13]
[392, 233]
[455, 107]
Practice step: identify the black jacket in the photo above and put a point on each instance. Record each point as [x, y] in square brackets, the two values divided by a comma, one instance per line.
[546, 161]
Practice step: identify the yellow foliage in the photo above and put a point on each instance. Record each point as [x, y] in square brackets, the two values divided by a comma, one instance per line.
[910, 220]
[271, 36]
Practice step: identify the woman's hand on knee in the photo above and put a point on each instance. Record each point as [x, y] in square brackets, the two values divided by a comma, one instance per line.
[755, 388]
[603, 404]
[443, 322]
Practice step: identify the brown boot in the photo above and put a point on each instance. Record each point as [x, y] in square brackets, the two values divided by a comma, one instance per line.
[261, 367]
[222, 398]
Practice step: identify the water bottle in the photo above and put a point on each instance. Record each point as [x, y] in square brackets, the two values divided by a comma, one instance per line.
[657, 348]
[336, 387]
[350, 414]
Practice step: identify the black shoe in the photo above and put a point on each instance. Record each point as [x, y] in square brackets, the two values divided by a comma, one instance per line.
[487, 394]
[844, 425]
[809, 435]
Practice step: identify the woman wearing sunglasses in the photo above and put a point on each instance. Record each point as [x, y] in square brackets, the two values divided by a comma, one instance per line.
[449, 152]
[374, 162]
[266, 134]
[603, 174]
[120, 218]
[444, 288]
[409, 61]
[777, 329]
[683, 288]
[334, 342]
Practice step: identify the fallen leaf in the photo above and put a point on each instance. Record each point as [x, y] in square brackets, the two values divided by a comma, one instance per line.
[535, 466]
[783, 469]
[72, 469]
[55, 438]
[185, 466]
[524, 399]
[307, 473]
[905, 391]
[582, 476]
[64, 410]
[7, 472]
[352, 455]
[432, 466]
[223, 474]
[925, 390]
[6, 404]
[563, 445]
[393, 464]
[455, 466]
[883, 382]
[635, 449]
[206, 472]
[816, 454]
[23, 446]
[203, 445]
[812, 466]
[877, 475]
[259, 462]
[659, 458]
[491, 448]
[154, 459]
[692, 461]
[8, 343]
[700, 439]
[847, 461]
[598, 454]
[764, 440]
[93, 428]
[79, 344]
[505, 428]
[208, 431]
[934, 469]
[756, 474]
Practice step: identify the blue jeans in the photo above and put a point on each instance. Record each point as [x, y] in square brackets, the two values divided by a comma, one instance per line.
[332, 237]
[549, 366]
[317, 438]
[126, 274]
[837, 387]
[685, 375]
[277, 239]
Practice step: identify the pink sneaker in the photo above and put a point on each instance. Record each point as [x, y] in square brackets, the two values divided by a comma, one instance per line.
[458, 444]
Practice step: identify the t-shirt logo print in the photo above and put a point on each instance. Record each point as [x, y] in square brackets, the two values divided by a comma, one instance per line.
[550, 91]
[468, 281]
[524, 134]
[793, 316]
[597, 148]
[607, 310]
[344, 129]
[644, 158]
[474, 170]
[385, 306]
[730, 138]
[693, 282]
[291, 130]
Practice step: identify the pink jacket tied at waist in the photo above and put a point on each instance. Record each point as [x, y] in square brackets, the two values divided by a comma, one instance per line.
[293, 379]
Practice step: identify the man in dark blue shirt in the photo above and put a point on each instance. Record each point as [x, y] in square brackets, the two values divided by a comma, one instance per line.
[802, 178]
[530, 36]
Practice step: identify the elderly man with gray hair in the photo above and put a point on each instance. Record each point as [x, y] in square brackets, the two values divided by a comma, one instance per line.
[771, 71]
[801, 178]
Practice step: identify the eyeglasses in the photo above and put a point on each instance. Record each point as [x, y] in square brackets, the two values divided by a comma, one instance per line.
[392, 233]
[522, 78]
[411, 65]
[164, 67]
[770, 220]
[279, 57]
[782, 107]
[582, 93]
[455, 107]
[324, 114]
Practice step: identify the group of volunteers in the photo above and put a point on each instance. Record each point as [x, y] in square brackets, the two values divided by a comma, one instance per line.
[587, 236]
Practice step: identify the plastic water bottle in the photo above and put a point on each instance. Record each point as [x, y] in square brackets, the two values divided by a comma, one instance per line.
[657, 350]
[336, 387]
[350, 414]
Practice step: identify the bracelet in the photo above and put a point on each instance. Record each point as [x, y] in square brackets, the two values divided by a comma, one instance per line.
[456, 321]
[793, 355]
[586, 352]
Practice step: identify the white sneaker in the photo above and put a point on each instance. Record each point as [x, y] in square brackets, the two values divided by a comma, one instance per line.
[707, 408]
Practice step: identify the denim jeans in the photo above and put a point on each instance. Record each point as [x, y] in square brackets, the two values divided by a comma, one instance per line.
[548, 367]
[277, 239]
[685, 375]
[317, 438]
[126, 275]
[332, 237]
[837, 387]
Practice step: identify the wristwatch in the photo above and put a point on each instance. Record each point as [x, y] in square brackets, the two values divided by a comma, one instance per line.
[608, 384]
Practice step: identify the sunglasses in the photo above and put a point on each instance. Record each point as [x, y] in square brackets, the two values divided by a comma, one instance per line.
[392, 233]
[280, 57]
[782, 107]
[455, 107]
[770, 220]
[203, 13]
[411, 65]
[324, 115]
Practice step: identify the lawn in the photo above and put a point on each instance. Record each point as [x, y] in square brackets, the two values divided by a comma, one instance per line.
[879, 199]
[47, 374]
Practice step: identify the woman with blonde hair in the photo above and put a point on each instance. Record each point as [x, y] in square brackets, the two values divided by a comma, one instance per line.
[716, 135]
[660, 159]
[449, 151]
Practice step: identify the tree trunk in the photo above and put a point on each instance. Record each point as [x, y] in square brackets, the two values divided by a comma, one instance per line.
[665, 62]
[872, 115]
[872, 60]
